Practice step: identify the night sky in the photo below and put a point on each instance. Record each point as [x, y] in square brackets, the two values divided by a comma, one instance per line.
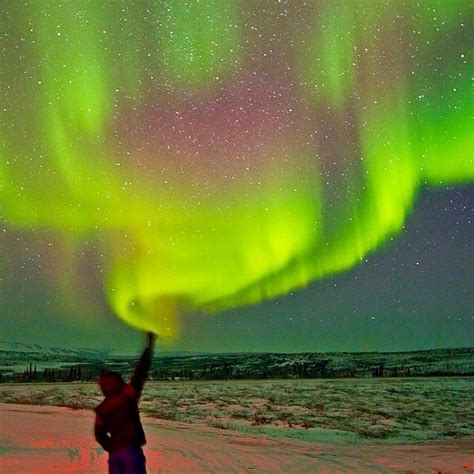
[237, 176]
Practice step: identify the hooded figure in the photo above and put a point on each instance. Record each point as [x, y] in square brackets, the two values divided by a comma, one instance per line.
[118, 428]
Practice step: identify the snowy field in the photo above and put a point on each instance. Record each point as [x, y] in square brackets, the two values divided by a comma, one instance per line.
[45, 440]
[349, 410]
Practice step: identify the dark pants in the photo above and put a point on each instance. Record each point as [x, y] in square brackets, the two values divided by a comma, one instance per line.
[127, 461]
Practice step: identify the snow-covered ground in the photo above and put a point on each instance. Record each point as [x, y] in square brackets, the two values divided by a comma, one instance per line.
[46, 440]
[347, 410]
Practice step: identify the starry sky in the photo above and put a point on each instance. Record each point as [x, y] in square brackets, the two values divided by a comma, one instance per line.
[272, 176]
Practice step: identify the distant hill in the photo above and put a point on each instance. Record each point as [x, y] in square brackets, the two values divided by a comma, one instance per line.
[436, 362]
[34, 363]
[26, 362]
[18, 349]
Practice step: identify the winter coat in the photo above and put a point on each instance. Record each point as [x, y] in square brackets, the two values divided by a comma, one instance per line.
[117, 423]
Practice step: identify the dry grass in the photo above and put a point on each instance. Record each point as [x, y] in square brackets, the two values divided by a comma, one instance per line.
[355, 409]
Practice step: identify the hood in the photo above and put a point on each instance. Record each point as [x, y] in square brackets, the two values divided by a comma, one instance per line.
[111, 383]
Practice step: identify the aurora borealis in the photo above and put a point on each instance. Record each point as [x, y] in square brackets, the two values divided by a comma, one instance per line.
[173, 158]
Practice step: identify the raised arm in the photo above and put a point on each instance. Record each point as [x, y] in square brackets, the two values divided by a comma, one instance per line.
[143, 366]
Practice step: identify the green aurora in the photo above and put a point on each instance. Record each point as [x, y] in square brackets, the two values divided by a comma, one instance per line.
[226, 152]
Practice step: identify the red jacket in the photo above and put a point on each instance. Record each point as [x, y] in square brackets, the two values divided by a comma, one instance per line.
[117, 423]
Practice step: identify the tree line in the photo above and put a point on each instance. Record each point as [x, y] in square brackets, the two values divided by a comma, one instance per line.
[75, 373]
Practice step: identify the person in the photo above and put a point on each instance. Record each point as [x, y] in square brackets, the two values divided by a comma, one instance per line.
[118, 428]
